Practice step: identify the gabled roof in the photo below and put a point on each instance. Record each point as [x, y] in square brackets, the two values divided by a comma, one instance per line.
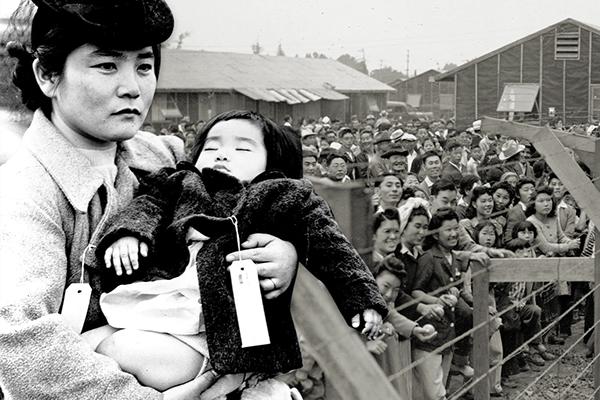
[451, 73]
[202, 70]
[432, 72]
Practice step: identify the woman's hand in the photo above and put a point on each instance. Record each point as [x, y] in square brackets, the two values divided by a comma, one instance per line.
[424, 333]
[276, 262]
[574, 244]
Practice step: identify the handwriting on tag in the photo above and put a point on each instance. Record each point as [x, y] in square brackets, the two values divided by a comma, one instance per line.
[75, 305]
[248, 304]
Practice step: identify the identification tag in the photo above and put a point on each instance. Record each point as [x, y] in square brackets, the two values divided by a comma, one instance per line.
[248, 304]
[75, 305]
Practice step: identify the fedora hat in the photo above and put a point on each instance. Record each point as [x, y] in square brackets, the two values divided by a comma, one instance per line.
[509, 149]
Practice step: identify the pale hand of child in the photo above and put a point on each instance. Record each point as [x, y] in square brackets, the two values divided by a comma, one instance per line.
[454, 292]
[373, 323]
[376, 346]
[123, 254]
[193, 389]
[449, 300]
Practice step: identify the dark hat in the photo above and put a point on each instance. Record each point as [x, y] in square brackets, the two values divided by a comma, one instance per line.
[121, 24]
[395, 151]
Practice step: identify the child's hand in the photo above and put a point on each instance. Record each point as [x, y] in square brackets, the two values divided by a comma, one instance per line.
[125, 252]
[574, 244]
[372, 323]
[376, 346]
[449, 300]
[454, 292]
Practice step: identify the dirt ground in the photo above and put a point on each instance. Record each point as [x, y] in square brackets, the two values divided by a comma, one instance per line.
[554, 385]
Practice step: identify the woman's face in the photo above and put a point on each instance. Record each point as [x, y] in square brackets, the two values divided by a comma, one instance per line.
[484, 205]
[387, 237]
[557, 187]
[501, 199]
[102, 95]
[487, 236]
[526, 235]
[236, 147]
[543, 204]
[447, 235]
[415, 230]
[390, 190]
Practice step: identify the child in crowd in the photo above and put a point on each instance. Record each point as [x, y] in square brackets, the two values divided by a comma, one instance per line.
[238, 184]
[523, 322]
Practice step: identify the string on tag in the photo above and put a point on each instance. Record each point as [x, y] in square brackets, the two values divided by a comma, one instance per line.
[234, 221]
[83, 258]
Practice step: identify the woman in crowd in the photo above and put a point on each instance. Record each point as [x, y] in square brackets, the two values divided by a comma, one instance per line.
[386, 233]
[482, 206]
[90, 78]
[503, 194]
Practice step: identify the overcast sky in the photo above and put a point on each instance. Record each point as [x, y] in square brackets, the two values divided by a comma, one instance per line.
[433, 31]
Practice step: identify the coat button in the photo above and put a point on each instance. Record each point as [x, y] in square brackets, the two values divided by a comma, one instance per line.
[451, 279]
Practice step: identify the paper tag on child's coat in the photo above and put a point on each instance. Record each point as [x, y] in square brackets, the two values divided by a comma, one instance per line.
[248, 304]
[75, 305]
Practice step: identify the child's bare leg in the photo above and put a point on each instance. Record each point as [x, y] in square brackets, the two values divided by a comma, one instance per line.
[95, 336]
[158, 360]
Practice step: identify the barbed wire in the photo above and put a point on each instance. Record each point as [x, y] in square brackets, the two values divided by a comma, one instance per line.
[580, 375]
[541, 333]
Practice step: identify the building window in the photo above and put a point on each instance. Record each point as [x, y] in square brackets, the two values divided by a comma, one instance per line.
[595, 102]
[567, 46]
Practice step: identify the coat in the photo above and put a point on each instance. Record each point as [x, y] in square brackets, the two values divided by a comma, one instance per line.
[180, 198]
[50, 206]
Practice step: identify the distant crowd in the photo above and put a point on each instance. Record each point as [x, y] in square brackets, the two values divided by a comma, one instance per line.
[443, 197]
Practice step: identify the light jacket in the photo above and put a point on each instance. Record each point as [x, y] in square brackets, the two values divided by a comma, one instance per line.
[51, 201]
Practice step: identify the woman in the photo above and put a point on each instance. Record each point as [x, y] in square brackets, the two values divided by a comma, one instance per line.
[551, 239]
[482, 206]
[552, 242]
[386, 233]
[90, 79]
[503, 194]
[388, 192]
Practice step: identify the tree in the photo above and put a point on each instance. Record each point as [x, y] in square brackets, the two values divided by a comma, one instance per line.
[181, 38]
[449, 66]
[257, 48]
[280, 51]
[387, 74]
[352, 62]
[315, 54]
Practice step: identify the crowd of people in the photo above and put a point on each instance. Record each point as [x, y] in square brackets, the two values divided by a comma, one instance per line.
[443, 197]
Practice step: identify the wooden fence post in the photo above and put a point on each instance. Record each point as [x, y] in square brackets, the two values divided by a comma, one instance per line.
[596, 175]
[340, 352]
[481, 338]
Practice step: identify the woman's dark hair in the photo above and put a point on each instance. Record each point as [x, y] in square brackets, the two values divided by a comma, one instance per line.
[284, 150]
[507, 187]
[522, 226]
[542, 190]
[480, 191]
[466, 183]
[436, 222]
[418, 211]
[479, 227]
[54, 46]
[389, 214]
[391, 264]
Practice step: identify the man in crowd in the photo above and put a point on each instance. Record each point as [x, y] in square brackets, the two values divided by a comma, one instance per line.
[432, 167]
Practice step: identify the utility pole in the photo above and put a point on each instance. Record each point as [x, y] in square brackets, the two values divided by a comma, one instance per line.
[407, 63]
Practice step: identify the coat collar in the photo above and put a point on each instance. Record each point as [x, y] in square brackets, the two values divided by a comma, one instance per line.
[437, 253]
[69, 168]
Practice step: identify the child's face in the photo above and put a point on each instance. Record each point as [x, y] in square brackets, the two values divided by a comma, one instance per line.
[526, 235]
[389, 286]
[236, 147]
[487, 236]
